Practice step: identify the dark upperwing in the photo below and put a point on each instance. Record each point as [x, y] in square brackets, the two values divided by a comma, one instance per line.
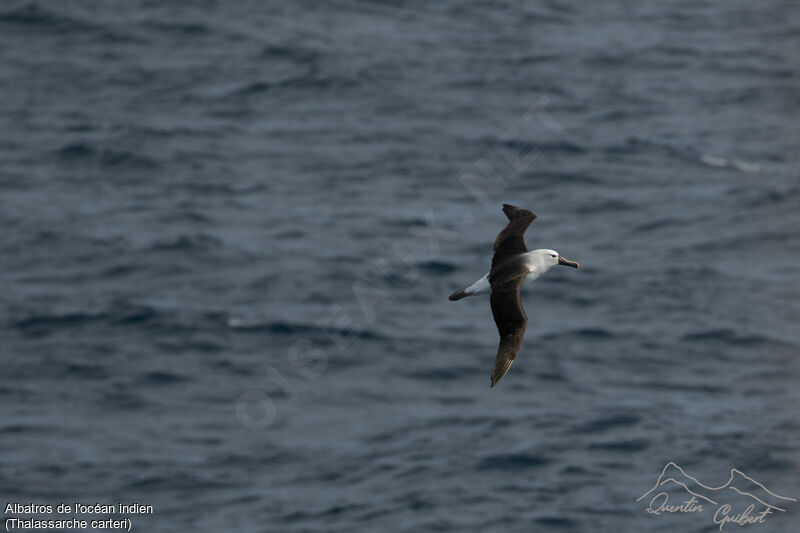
[509, 316]
[510, 240]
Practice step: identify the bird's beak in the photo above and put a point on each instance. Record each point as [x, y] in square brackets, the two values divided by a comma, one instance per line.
[573, 264]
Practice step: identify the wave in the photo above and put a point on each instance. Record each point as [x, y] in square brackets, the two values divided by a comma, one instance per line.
[24, 429]
[658, 223]
[512, 461]
[215, 188]
[37, 20]
[557, 521]
[639, 145]
[38, 321]
[727, 336]
[602, 425]
[721, 162]
[550, 179]
[178, 481]
[116, 314]
[301, 56]
[295, 328]
[306, 81]
[33, 17]
[604, 206]
[679, 387]
[185, 28]
[550, 148]
[438, 268]
[185, 243]
[589, 333]
[770, 197]
[441, 374]
[77, 152]
[84, 371]
[621, 446]
[159, 378]
[124, 400]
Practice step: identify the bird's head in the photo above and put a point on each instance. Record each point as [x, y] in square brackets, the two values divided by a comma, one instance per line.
[551, 258]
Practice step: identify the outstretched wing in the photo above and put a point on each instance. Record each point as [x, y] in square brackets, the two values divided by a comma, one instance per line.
[511, 321]
[513, 211]
[509, 241]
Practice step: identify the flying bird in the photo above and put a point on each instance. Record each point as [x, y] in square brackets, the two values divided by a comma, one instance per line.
[512, 266]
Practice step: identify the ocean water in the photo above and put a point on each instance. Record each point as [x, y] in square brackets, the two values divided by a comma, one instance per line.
[230, 230]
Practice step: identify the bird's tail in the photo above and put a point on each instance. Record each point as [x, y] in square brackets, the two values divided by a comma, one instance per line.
[458, 295]
[479, 287]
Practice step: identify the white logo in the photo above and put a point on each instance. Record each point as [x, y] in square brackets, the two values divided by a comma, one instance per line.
[741, 500]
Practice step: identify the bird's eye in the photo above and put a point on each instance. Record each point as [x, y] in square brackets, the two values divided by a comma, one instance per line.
[552, 256]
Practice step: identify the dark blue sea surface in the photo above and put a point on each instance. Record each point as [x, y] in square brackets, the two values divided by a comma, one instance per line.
[229, 230]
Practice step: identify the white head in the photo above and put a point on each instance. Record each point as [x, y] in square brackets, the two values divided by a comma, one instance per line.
[546, 259]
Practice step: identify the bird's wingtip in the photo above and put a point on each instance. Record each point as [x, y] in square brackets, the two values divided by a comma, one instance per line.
[513, 212]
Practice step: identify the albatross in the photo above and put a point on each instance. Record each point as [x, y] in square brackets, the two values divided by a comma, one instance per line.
[512, 266]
